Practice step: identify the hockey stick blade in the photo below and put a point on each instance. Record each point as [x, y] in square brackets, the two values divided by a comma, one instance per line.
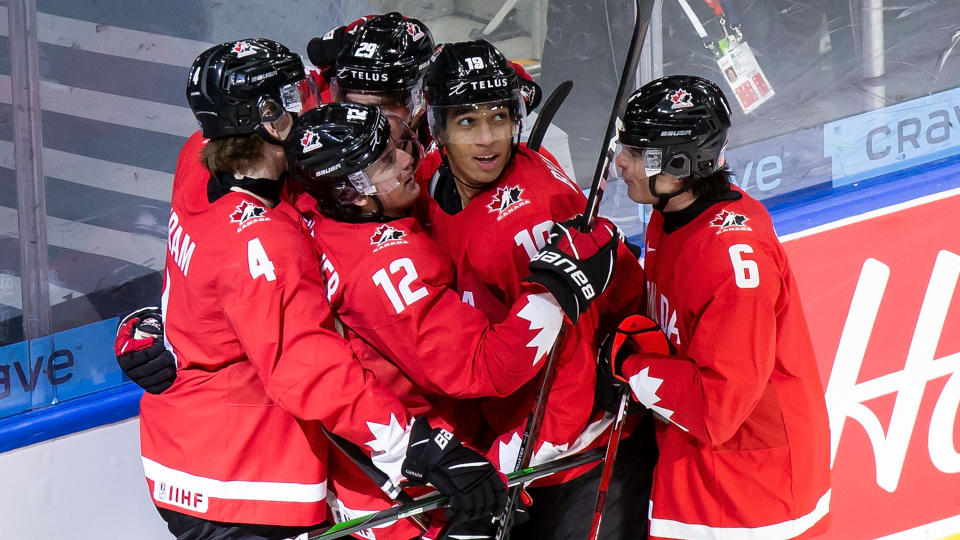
[644, 11]
[547, 112]
[436, 500]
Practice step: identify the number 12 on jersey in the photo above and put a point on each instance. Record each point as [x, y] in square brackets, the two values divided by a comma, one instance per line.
[400, 295]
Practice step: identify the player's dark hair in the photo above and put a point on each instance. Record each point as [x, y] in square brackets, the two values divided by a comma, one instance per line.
[713, 185]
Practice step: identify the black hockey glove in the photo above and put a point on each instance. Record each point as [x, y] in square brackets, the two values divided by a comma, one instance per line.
[576, 267]
[435, 456]
[636, 334]
[141, 353]
[323, 51]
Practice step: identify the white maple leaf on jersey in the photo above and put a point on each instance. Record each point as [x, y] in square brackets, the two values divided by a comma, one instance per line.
[509, 451]
[544, 314]
[645, 387]
[389, 445]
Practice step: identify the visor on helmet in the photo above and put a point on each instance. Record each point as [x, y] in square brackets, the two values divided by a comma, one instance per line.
[385, 174]
[291, 100]
[409, 98]
[404, 138]
[478, 123]
[652, 158]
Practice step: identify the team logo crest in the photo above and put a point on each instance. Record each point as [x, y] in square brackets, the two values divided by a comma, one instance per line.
[310, 140]
[506, 200]
[386, 235]
[414, 30]
[681, 99]
[248, 213]
[730, 221]
[242, 48]
[526, 92]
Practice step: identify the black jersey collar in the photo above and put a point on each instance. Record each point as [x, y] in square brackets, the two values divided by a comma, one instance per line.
[221, 182]
[674, 220]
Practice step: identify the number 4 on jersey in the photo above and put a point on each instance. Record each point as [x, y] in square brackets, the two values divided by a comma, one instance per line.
[258, 261]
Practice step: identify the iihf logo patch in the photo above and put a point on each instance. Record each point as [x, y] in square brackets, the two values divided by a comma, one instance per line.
[728, 221]
[248, 213]
[506, 200]
[681, 99]
[310, 140]
[242, 48]
[414, 30]
[386, 235]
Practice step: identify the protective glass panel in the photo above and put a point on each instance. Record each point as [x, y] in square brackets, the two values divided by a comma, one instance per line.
[829, 96]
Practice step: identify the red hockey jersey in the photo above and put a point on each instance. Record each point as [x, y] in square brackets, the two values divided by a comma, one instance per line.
[745, 451]
[493, 239]
[245, 316]
[393, 284]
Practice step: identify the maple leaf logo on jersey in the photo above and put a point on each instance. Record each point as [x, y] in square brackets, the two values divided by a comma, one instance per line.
[730, 221]
[681, 99]
[386, 235]
[242, 48]
[645, 387]
[506, 200]
[246, 211]
[310, 140]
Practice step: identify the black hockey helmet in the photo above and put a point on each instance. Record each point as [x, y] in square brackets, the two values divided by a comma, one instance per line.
[236, 86]
[469, 74]
[388, 53]
[387, 58]
[679, 124]
[335, 150]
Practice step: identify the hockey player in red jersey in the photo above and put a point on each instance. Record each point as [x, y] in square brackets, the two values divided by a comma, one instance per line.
[492, 203]
[380, 60]
[742, 431]
[258, 356]
[392, 286]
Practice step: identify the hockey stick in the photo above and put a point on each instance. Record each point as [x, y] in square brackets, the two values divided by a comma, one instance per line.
[530, 436]
[599, 183]
[608, 460]
[644, 11]
[379, 477]
[547, 112]
[436, 500]
[593, 206]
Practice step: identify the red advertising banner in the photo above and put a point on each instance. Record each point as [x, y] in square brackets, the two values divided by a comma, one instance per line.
[880, 295]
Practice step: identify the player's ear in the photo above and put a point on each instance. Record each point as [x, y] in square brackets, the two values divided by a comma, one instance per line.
[362, 201]
[280, 128]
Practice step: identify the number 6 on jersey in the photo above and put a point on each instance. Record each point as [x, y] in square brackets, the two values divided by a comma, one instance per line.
[746, 272]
